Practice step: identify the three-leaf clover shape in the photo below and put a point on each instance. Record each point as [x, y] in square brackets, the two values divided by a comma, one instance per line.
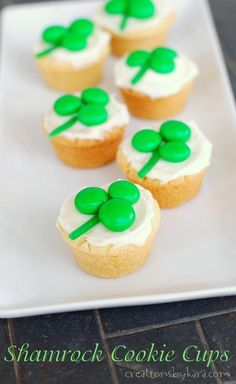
[73, 38]
[89, 109]
[160, 60]
[112, 208]
[138, 9]
[168, 144]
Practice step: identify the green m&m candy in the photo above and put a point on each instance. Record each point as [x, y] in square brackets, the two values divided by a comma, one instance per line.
[175, 152]
[67, 105]
[175, 130]
[138, 58]
[53, 34]
[95, 96]
[92, 115]
[117, 215]
[82, 27]
[74, 42]
[89, 200]
[126, 190]
[141, 9]
[146, 140]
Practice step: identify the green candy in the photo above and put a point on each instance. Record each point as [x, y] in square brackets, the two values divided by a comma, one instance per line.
[137, 58]
[142, 9]
[116, 7]
[146, 140]
[83, 27]
[175, 152]
[92, 115]
[67, 105]
[161, 60]
[117, 215]
[89, 200]
[53, 34]
[95, 96]
[74, 42]
[174, 130]
[124, 189]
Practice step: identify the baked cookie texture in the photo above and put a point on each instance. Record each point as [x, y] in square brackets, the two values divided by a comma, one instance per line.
[145, 107]
[112, 261]
[88, 153]
[146, 38]
[169, 195]
[65, 77]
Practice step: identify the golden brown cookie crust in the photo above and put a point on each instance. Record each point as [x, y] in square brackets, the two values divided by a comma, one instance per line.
[110, 261]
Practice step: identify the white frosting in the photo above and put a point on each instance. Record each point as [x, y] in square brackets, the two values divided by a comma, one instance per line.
[112, 22]
[165, 171]
[97, 42]
[70, 219]
[154, 84]
[118, 117]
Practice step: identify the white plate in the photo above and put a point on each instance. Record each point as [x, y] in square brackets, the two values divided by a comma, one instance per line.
[194, 254]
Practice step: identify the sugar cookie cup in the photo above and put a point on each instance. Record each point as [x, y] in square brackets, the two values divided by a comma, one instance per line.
[135, 25]
[86, 129]
[110, 230]
[170, 161]
[155, 85]
[72, 59]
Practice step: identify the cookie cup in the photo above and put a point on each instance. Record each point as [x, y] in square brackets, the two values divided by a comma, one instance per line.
[168, 195]
[65, 77]
[112, 261]
[147, 38]
[88, 153]
[160, 108]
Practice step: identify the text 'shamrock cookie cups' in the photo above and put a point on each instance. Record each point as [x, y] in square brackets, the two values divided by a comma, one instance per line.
[155, 84]
[72, 58]
[133, 24]
[86, 129]
[170, 161]
[110, 230]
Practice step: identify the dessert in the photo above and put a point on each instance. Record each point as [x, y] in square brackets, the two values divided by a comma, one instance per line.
[155, 85]
[86, 129]
[170, 161]
[133, 24]
[72, 58]
[110, 230]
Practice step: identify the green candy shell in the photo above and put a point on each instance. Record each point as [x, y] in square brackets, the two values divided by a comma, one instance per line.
[162, 65]
[146, 140]
[95, 96]
[166, 53]
[67, 105]
[138, 58]
[141, 9]
[92, 115]
[175, 130]
[117, 215]
[83, 27]
[175, 152]
[53, 34]
[89, 200]
[74, 42]
[115, 7]
[126, 190]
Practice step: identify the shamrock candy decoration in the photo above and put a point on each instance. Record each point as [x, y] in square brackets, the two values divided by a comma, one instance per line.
[113, 209]
[89, 109]
[161, 60]
[169, 144]
[138, 9]
[73, 38]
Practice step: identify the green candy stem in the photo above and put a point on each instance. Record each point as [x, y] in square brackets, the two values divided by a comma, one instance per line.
[68, 124]
[124, 21]
[84, 228]
[140, 74]
[149, 165]
[46, 51]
